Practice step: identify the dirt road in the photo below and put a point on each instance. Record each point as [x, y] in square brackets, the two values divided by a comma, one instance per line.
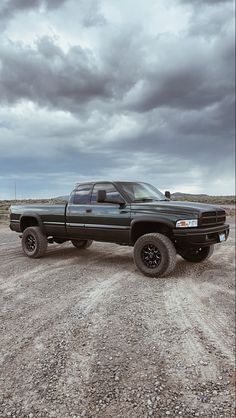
[84, 334]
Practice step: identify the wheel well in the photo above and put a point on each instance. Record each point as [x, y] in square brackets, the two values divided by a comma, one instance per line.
[28, 221]
[142, 228]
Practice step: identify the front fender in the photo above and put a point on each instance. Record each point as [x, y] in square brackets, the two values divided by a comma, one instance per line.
[153, 219]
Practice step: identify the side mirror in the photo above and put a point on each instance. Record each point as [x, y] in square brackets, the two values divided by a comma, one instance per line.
[101, 196]
[167, 194]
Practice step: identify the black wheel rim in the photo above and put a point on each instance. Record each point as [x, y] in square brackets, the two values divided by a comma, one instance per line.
[30, 243]
[151, 256]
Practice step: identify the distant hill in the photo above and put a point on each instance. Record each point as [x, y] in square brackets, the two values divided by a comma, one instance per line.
[65, 198]
[186, 195]
[204, 198]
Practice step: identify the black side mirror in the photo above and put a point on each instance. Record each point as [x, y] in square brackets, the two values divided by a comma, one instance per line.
[101, 196]
[167, 194]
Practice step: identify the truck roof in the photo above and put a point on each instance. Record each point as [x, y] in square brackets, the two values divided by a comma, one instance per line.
[108, 181]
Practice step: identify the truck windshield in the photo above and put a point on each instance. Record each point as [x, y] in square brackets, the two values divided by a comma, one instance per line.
[142, 192]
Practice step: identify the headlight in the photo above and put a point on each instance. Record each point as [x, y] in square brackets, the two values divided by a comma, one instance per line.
[187, 223]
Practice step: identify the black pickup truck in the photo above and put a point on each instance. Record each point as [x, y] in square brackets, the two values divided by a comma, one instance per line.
[126, 213]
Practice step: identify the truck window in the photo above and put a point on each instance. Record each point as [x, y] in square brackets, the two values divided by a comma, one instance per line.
[81, 195]
[111, 191]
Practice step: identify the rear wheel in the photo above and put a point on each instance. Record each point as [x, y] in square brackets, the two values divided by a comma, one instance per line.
[154, 255]
[198, 254]
[34, 243]
[79, 243]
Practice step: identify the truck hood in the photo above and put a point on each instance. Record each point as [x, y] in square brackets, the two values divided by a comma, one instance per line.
[177, 207]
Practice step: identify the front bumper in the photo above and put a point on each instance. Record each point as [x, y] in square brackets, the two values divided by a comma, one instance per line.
[200, 236]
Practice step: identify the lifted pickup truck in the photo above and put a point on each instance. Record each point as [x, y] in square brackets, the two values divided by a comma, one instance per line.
[126, 213]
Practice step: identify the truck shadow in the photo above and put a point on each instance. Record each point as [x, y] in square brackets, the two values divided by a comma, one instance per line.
[91, 255]
[121, 258]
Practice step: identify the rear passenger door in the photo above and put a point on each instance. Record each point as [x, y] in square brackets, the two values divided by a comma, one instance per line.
[108, 221]
[78, 210]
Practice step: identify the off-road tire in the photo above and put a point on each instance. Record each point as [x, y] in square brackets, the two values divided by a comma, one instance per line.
[197, 255]
[82, 243]
[162, 248]
[34, 242]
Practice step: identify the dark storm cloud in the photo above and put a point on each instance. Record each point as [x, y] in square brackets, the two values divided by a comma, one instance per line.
[88, 10]
[186, 75]
[9, 8]
[68, 81]
[191, 135]
[49, 77]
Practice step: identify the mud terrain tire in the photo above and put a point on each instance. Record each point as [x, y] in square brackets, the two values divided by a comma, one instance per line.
[196, 255]
[34, 243]
[83, 244]
[154, 255]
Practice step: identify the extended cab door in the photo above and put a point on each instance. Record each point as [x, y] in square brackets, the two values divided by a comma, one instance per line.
[78, 209]
[108, 221]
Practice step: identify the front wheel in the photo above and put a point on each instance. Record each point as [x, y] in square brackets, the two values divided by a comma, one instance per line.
[154, 255]
[34, 243]
[198, 254]
[79, 243]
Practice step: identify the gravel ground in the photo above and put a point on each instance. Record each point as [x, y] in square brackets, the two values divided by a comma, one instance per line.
[84, 334]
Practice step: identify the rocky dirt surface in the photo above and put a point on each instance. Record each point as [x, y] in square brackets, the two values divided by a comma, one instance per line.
[84, 334]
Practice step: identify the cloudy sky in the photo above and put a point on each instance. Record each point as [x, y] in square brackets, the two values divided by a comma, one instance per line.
[116, 89]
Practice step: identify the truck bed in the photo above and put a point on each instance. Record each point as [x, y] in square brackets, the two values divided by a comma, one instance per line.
[49, 215]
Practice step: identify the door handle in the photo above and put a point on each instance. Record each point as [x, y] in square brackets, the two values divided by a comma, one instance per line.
[88, 210]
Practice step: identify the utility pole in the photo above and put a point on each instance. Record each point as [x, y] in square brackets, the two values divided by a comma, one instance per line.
[15, 190]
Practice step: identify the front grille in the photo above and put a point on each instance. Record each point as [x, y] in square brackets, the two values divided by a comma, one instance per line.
[213, 218]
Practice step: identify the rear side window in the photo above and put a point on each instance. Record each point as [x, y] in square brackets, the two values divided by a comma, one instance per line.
[81, 195]
[111, 191]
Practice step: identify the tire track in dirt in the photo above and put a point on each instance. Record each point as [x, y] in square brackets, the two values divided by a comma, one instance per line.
[84, 311]
[89, 297]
